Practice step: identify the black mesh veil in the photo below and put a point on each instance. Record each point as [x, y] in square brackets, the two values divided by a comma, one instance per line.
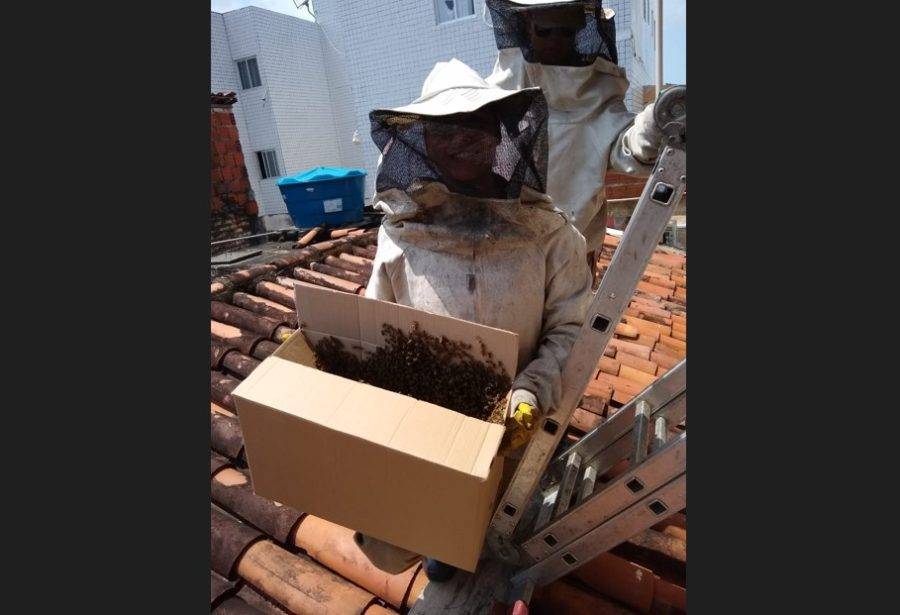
[595, 33]
[520, 158]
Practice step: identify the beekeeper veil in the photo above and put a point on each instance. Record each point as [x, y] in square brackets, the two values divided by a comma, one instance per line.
[568, 50]
[478, 140]
[555, 33]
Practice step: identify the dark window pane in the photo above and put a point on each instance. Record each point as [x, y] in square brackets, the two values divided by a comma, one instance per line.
[262, 165]
[444, 10]
[273, 164]
[268, 164]
[245, 76]
[254, 73]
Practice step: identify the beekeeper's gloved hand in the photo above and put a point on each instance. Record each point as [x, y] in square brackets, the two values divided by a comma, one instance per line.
[644, 138]
[523, 418]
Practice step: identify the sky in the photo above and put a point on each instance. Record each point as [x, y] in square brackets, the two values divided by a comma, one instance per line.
[674, 46]
[674, 26]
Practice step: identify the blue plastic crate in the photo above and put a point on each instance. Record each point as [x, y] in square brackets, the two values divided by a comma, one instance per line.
[324, 195]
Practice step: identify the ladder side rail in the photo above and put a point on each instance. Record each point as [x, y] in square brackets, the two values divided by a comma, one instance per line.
[616, 288]
[622, 448]
[653, 508]
[626, 489]
[658, 394]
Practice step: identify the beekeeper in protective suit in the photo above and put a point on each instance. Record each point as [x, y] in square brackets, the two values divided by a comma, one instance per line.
[468, 232]
[568, 49]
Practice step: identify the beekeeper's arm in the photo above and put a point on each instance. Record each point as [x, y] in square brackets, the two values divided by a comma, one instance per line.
[379, 286]
[637, 147]
[567, 293]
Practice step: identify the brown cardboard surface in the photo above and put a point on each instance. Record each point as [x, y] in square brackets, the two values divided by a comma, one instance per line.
[408, 472]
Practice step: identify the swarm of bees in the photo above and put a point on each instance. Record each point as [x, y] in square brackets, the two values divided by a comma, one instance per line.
[430, 368]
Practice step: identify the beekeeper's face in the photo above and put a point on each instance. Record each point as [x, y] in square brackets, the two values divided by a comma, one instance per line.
[462, 146]
[552, 33]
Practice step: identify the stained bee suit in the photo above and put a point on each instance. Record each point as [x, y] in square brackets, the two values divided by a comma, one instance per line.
[468, 231]
[568, 50]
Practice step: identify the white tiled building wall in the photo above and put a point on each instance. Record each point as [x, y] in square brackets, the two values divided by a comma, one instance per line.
[342, 95]
[291, 112]
[639, 58]
[321, 80]
[390, 46]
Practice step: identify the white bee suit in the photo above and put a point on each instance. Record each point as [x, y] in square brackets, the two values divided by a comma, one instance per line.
[590, 130]
[514, 264]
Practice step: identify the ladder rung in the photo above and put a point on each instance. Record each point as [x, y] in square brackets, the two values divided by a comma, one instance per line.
[662, 394]
[653, 508]
[660, 433]
[588, 481]
[567, 486]
[548, 503]
[618, 494]
[641, 432]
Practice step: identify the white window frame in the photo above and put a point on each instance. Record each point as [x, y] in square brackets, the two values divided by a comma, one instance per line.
[458, 7]
[250, 74]
[268, 164]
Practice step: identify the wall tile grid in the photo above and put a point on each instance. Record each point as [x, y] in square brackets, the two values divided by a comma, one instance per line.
[235, 38]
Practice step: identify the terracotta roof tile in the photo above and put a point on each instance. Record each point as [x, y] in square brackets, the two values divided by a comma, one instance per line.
[220, 588]
[221, 386]
[585, 420]
[219, 98]
[638, 363]
[230, 489]
[642, 378]
[339, 272]
[236, 606]
[650, 340]
[233, 337]
[263, 349]
[265, 307]
[620, 579]
[259, 601]
[245, 319]
[226, 436]
[298, 583]
[333, 546]
[237, 363]
[276, 293]
[326, 280]
[570, 598]
[230, 540]
[632, 347]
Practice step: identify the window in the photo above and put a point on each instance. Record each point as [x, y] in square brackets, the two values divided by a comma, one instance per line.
[249, 72]
[268, 164]
[448, 10]
[646, 9]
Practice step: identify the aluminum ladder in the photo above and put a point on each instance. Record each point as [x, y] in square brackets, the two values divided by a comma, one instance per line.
[554, 515]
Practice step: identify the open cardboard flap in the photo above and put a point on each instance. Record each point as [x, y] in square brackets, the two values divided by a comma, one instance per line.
[325, 312]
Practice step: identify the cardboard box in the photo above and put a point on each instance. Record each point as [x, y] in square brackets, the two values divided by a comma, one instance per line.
[413, 474]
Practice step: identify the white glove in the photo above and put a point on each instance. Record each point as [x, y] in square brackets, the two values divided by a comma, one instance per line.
[644, 138]
[523, 396]
[523, 418]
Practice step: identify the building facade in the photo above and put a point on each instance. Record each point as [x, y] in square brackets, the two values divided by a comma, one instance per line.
[317, 82]
[284, 111]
